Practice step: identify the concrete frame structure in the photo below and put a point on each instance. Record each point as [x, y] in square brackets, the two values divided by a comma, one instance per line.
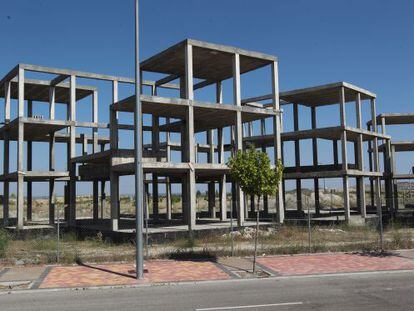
[186, 67]
[389, 150]
[186, 62]
[25, 127]
[331, 94]
[195, 65]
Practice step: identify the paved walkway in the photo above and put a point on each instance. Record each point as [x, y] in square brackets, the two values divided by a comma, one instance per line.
[334, 263]
[164, 271]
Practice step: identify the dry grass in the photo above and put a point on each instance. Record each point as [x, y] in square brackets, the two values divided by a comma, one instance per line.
[284, 240]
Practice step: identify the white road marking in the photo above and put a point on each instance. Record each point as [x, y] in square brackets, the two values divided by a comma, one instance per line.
[252, 306]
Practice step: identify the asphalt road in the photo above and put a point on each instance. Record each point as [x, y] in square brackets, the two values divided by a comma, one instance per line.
[368, 291]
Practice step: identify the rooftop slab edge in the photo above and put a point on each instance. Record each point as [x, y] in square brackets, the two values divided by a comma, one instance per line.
[62, 71]
[211, 46]
[327, 87]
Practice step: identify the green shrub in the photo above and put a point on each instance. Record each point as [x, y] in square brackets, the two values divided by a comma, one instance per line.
[4, 242]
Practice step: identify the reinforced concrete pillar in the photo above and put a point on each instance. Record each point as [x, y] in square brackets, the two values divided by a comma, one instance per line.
[377, 183]
[6, 185]
[29, 168]
[103, 198]
[95, 200]
[6, 153]
[52, 201]
[211, 184]
[20, 177]
[20, 151]
[297, 158]
[238, 134]
[277, 129]
[168, 198]
[114, 181]
[72, 153]
[347, 210]
[315, 161]
[190, 144]
[167, 180]
[155, 148]
[222, 184]
[360, 159]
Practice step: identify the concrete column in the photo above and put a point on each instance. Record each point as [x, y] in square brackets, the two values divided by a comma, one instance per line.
[191, 182]
[360, 159]
[388, 168]
[155, 135]
[297, 158]
[168, 198]
[72, 151]
[168, 184]
[377, 189]
[114, 183]
[113, 176]
[29, 168]
[265, 198]
[347, 210]
[94, 150]
[371, 180]
[113, 125]
[184, 197]
[103, 198]
[95, 120]
[211, 184]
[95, 194]
[393, 171]
[6, 154]
[315, 161]
[220, 152]
[52, 108]
[277, 129]
[52, 201]
[211, 199]
[20, 151]
[238, 133]
[20, 175]
[222, 184]
[335, 152]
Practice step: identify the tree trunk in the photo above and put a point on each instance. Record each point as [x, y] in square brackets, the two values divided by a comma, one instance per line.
[256, 238]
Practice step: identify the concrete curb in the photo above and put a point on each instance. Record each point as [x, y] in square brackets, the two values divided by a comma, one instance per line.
[191, 283]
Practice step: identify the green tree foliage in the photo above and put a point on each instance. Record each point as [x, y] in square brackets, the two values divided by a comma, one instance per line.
[256, 177]
[252, 170]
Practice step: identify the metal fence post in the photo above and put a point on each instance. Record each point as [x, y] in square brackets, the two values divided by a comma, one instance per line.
[58, 233]
[309, 226]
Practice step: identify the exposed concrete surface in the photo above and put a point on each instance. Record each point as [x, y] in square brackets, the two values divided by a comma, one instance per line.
[19, 274]
[368, 291]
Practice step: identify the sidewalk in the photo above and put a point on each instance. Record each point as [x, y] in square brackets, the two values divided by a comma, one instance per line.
[165, 271]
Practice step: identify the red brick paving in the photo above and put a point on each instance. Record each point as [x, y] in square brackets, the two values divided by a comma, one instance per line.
[123, 274]
[333, 263]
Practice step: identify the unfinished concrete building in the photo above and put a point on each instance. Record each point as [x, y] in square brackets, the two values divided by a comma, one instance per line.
[192, 65]
[343, 134]
[395, 180]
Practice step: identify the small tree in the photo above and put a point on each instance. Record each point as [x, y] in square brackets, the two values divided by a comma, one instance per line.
[255, 176]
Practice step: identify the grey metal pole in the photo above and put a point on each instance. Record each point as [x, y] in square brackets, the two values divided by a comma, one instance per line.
[309, 227]
[138, 155]
[58, 235]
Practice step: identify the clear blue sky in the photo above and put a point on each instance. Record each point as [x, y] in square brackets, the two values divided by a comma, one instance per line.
[368, 43]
